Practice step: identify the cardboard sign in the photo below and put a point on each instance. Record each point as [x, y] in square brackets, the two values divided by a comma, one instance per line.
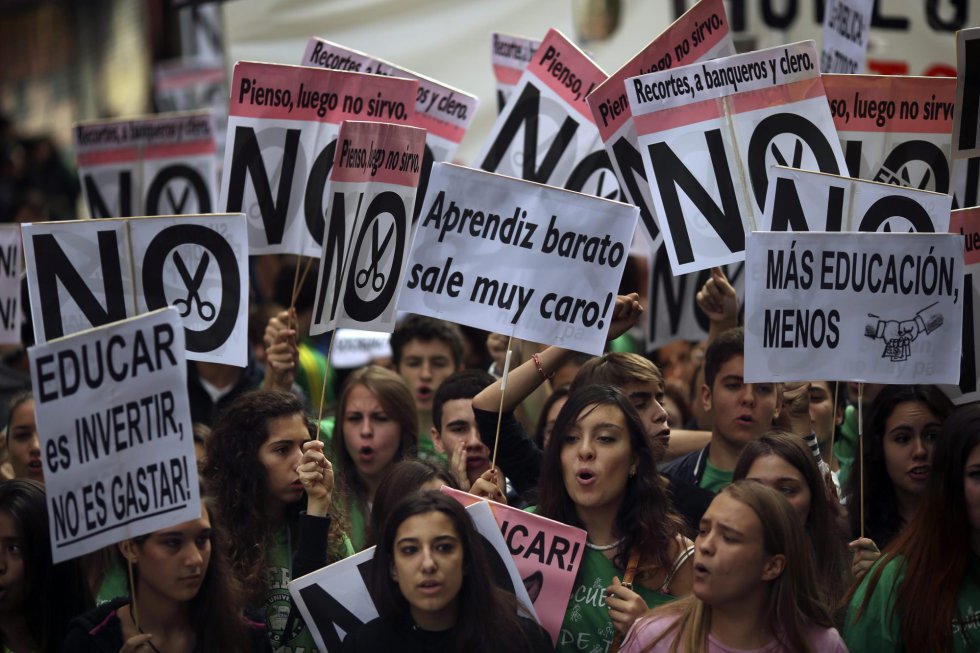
[702, 33]
[152, 165]
[709, 133]
[546, 133]
[846, 25]
[190, 83]
[877, 308]
[81, 275]
[672, 310]
[335, 600]
[966, 222]
[443, 111]
[116, 434]
[369, 229]
[10, 270]
[509, 55]
[547, 554]
[966, 120]
[282, 133]
[800, 200]
[500, 254]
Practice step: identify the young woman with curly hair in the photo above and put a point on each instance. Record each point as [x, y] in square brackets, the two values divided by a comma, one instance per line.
[263, 468]
[599, 474]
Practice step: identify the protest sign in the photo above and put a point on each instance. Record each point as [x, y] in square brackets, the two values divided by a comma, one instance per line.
[708, 135]
[88, 273]
[871, 307]
[443, 111]
[800, 200]
[497, 253]
[672, 310]
[546, 132]
[373, 183]
[546, 553]
[282, 133]
[335, 600]
[700, 34]
[966, 118]
[192, 83]
[151, 165]
[10, 269]
[846, 25]
[509, 55]
[116, 437]
[966, 222]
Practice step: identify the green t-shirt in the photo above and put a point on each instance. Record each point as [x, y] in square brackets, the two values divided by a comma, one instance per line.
[587, 626]
[846, 446]
[114, 584]
[714, 479]
[878, 632]
[287, 631]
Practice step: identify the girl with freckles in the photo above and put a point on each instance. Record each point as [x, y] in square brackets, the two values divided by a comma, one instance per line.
[599, 474]
[755, 588]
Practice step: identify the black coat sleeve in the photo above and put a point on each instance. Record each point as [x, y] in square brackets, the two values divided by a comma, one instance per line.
[518, 456]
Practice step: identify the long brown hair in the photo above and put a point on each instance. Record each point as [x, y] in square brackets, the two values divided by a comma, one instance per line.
[396, 399]
[935, 546]
[795, 602]
[823, 529]
[646, 520]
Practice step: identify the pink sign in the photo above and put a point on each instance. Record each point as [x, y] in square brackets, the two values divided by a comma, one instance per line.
[546, 553]
[967, 223]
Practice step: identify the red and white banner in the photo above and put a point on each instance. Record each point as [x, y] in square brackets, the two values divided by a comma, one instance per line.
[443, 111]
[709, 133]
[282, 133]
[368, 235]
[509, 55]
[700, 34]
[151, 165]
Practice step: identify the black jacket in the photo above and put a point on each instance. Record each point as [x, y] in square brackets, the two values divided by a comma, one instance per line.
[404, 636]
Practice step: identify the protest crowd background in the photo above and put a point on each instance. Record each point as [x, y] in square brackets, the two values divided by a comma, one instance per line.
[594, 326]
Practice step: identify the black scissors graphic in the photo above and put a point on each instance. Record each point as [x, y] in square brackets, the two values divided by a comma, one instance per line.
[204, 309]
[371, 273]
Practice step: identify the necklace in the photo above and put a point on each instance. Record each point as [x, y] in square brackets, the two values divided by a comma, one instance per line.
[140, 628]
[604, 547]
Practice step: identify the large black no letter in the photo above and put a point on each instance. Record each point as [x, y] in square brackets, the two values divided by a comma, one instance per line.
[386, 203]
[168, 174]
[224, 256]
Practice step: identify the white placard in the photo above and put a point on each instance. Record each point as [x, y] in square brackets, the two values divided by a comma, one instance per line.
[871, 307]
[510, 256]
[10, 272]
[846, 25]
[509, 55]
[116, 434]
[709, 133]
[80, 274]
[282, 132]
[191, 83]
[966, 222]
[335, 601]
[368, 234]
[966, 119]
[800, 200]
[151, 165]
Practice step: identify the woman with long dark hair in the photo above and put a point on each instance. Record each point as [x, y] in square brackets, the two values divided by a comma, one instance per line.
[784, 462]
[924, 594]
[38, 597]
[900, 431]
[431, 583]
[377, 426]
[186, 599]
[599, 474]
[263, 469]
[755, 586]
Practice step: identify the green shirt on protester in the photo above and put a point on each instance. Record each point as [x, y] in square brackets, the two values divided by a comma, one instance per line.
[879, 631]
[714, 479]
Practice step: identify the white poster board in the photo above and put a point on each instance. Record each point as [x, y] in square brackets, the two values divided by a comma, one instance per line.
[513, 257]
[368, 234]
[871, 307]
[846, 25]
[116, 436]
[151, 165]
[10, 272]
[709, 133]
[80, 274]
[966, 222]
[702, 33]
[335, 600]
[282, 132]
[966, 121]
[191, 83]
[509, 56]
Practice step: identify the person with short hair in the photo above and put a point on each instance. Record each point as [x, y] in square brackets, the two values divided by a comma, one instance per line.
[23, 441]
